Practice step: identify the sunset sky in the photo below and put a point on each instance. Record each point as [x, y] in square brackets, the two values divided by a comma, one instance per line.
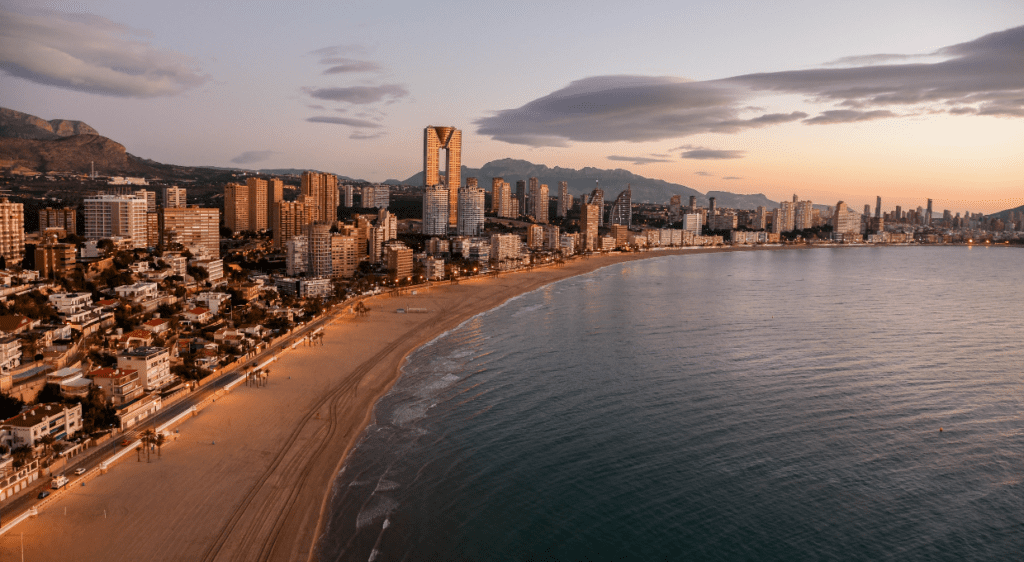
[907, 100]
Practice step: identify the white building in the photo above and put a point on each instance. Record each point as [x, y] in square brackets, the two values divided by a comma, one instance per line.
[435, 211]
[110, 216]
[38, 421]
[295, 255]
[213, 301]
[471, 211]
[152, 363]
[139, 292]
[692, 223]
[505, 246]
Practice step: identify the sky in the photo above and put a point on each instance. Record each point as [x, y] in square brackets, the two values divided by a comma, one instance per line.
[906, 100]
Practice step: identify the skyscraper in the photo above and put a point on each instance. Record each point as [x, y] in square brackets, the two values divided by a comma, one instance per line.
[622, 210]
[713, 207]
[693, 203]
[449, 139]
[878, 207]
[505, 201]
[257, 204]
[275, 194]
[236, 207]
[597, 198]
[292, 218]
[318, 248]
[521, 196]
[58, 218]
[496, 194]
[174, 196]
[471, 211]
[928, 214]
[195, 228]
[590, 215]
[12, 231]
[347, 193]
[321, 192]
[110, 216]
[564, 199]
[538, 201]
[435, 211]
[803, 217]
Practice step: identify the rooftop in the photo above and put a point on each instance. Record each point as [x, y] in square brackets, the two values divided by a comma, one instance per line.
[35, 415]
[144, 351]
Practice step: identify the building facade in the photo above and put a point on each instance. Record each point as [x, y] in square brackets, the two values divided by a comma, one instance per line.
[197, 229]
[116, 216]
[450, 139]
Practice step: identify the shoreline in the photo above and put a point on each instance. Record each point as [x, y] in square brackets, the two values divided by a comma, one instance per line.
[277, 482]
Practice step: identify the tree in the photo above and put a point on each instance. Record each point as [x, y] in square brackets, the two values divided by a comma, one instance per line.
[47, 442]
[49, 393]
[148, 438]
[9, 406]
[160, 440]
[21, 455]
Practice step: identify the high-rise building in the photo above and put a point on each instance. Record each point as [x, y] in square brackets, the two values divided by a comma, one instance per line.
[867, 210]
[449, 139]
[471, 211]
[597, 198]
[520, 197]
[174, 196]
[693, 203]
[149, 197]
[292, 218]
[64, 219]
[713, 206]
[236, 207]
[435, 211]
[928, 214]
[675, 208]
[344, 257]
[496, 184]
[535, 236]
[53, 258]
[878, 207]
[590, 216]
[399, 261]
[275, 194]
[845, 221]
[318, 246]
[564, 199]
[539, 201]
[622, 209]
[531, 197]
[760, 220]
[692, 222]
[116, 216]
[376, 196]
[505, 247]
[803, 217]
[348, 195]
[296, 252]
[257, 204]
[620, 233]
[784, 217]
[505, 201]
[195, 228]
[389, 223]
[12, 231]
[321, 192]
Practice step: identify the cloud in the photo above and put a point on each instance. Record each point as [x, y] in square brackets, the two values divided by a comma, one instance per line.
[91, 54]
[979, 77]
[351, 65]
[253, 156]
[732, 178]
[705, 174]
[638, 160]
[708, 154]
[366, 136]
[834, 116]
[362, 123]
[359, 94]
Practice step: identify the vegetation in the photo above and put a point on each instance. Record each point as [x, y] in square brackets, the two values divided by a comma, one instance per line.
[10, 406]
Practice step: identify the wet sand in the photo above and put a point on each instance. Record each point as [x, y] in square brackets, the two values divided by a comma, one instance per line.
[248, 478]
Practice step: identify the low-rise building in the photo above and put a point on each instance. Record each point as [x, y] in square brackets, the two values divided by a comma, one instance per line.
[213, 301]
[131, 414]
[70, 303]
[157, 325]
[16, 324]
[28, 427]
[152, 363]
[197, 315]
[118, 386]
[10, 353]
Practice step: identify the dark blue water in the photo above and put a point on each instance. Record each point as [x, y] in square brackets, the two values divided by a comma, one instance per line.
[746, 406]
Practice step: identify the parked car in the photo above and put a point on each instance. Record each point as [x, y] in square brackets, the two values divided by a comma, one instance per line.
[43, 495]
[79, 471]
[124, 442]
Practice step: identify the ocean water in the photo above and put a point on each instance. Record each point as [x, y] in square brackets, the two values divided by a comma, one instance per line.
[743, 406]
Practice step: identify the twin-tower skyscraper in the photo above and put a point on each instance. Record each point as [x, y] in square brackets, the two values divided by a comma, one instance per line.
[448, 139]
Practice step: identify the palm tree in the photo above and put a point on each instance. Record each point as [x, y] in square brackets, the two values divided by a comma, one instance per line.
[160, 440]
[47, 442]
[138, 453]
[148, 438]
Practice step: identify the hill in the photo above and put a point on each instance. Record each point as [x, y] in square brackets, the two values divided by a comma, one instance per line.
[611, 181]
[18, 125]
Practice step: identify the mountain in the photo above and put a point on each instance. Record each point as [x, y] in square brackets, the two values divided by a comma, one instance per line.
[611, 181]
[18, 125]
[1005, 215]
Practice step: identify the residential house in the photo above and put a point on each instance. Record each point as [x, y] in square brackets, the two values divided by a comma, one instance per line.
[118, 386]
[197, 315]
[152, 363]
[31, 425]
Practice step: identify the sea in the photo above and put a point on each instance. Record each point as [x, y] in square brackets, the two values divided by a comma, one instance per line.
[859, 403]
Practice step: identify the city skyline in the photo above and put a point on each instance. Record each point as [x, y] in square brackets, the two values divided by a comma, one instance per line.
[754, 100]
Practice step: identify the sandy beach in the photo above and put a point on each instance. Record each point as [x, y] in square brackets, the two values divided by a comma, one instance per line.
[248, 478]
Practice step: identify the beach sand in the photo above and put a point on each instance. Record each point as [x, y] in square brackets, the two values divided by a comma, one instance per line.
[249, 476]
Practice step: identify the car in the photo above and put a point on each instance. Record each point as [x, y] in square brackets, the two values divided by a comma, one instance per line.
[124, 442]
[43, 495]
[79, 471]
